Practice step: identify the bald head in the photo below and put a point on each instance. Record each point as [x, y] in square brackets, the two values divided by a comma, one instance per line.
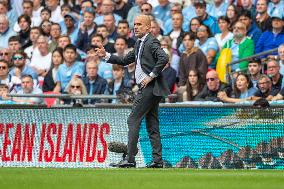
[142, 25]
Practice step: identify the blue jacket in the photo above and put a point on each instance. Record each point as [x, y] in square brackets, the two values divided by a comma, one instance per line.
[268, 41]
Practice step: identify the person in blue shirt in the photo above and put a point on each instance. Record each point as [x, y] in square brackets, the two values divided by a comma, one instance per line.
[69, 69]
[107, 8]
[217, 8]
[72, 29]
[5, 31]
[271, 39]
[206, 19]
[163, 10]
[252, 30]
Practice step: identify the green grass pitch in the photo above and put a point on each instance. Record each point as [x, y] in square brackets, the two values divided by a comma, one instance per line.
[41, 178]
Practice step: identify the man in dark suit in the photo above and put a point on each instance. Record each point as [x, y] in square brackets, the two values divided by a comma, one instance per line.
[150, 60]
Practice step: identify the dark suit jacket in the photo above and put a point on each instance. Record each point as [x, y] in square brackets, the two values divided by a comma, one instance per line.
[99, 87]
[48, 82]
[152, 59]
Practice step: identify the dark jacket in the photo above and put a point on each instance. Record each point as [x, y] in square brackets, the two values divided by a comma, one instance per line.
[152, 58]
[99, 87]
[208, 95]
[48, 82]
[84, 39]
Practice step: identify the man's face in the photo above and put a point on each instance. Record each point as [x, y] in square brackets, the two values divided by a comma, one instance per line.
[212, 81]
[97, 41]
[14, 46]
[281, 53]
[120, 46]
[261, 6]
[88, 19]
[55, 31]
[247, 21]
[4, 70]
[27, 84]
[187, 42]
[51, 4]
[69, 22]
[177, 20]
[272, 68]
[3, 25]
[3, 90]
[117, 74]
[19, 60]
[109, 22]
[5, 54]
[200, 11]
[42, 45]
[85, 5]
[123, 29]
[246, 3]
[63, 42]
[92, 69]
[107, 6]
[141, 27]
[28, 9]
[3, 9]
[45, 15]
[264, 85]
[155, 29]
[102, 31]
[254, 68]
[146, 9]
[69, 56]
[34, 34]
[277, 23]
[24, 25]
[239, 30]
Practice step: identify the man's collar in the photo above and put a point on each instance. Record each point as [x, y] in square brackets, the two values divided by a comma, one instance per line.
[144, 37]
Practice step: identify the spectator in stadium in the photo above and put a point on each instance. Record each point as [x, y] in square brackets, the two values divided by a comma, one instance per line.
[24, 22]
[162, 10]
[233, 15]
[87, 29]
[272, 38]
[120, 46]
[71, 27]
[102, 30]
[134, 12]
[27, 87]
[210, 21]
[37, 8]
[194, 85]
[281, 57]
[156, 29]
[69, 69]
[76, 87]
[54, 7]
[94, 83]
[252, 30]
[248, 5]
[41, 59]
[109, 22]
[194, 25]
[241, 46]
[14, 44]
[146, 9]
[6, 55]
[10, 81]
[5, 31]
[263, 19]
[212, 88]
[45, 14]
[117, 84]
[192, 59]
[4, 91]
[46, 27]
[225, 34]
[27, 10]
[121, 8]
[242, 90]
[168, 26]
[208, 44]
[123, 30]
[50, 78]
[34, 34]
[5, 9]
[188, 13]
[55, 32]
[275, 7]
[273, 73]
[20, 68]
[254, 70]
[107, 8]
[169, 73]
[217, 8]
[265, 89]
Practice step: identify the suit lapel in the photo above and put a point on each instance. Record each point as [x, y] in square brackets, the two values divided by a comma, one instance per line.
[143, 45]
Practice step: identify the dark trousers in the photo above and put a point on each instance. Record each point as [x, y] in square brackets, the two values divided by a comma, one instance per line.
[145, 105]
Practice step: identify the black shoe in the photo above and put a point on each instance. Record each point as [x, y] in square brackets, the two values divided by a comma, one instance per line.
[155, 165]
[126, 164]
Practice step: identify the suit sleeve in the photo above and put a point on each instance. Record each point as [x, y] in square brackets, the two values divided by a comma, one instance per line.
[126, 60]
[160, 55]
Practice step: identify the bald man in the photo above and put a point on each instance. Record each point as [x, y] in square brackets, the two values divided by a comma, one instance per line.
[150, 60]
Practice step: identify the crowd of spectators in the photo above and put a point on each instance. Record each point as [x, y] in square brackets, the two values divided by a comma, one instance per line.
[50, 47]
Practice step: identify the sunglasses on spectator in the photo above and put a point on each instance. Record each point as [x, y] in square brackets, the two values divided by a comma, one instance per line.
[75, 87]
[18, 58]
[3, 67]
[4, 54]
[210, 79]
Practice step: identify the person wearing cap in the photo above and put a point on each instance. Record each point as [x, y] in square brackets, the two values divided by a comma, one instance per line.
[206, 19]
[272, 38]
[263, 20]
[87, 29]
[71, 28]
